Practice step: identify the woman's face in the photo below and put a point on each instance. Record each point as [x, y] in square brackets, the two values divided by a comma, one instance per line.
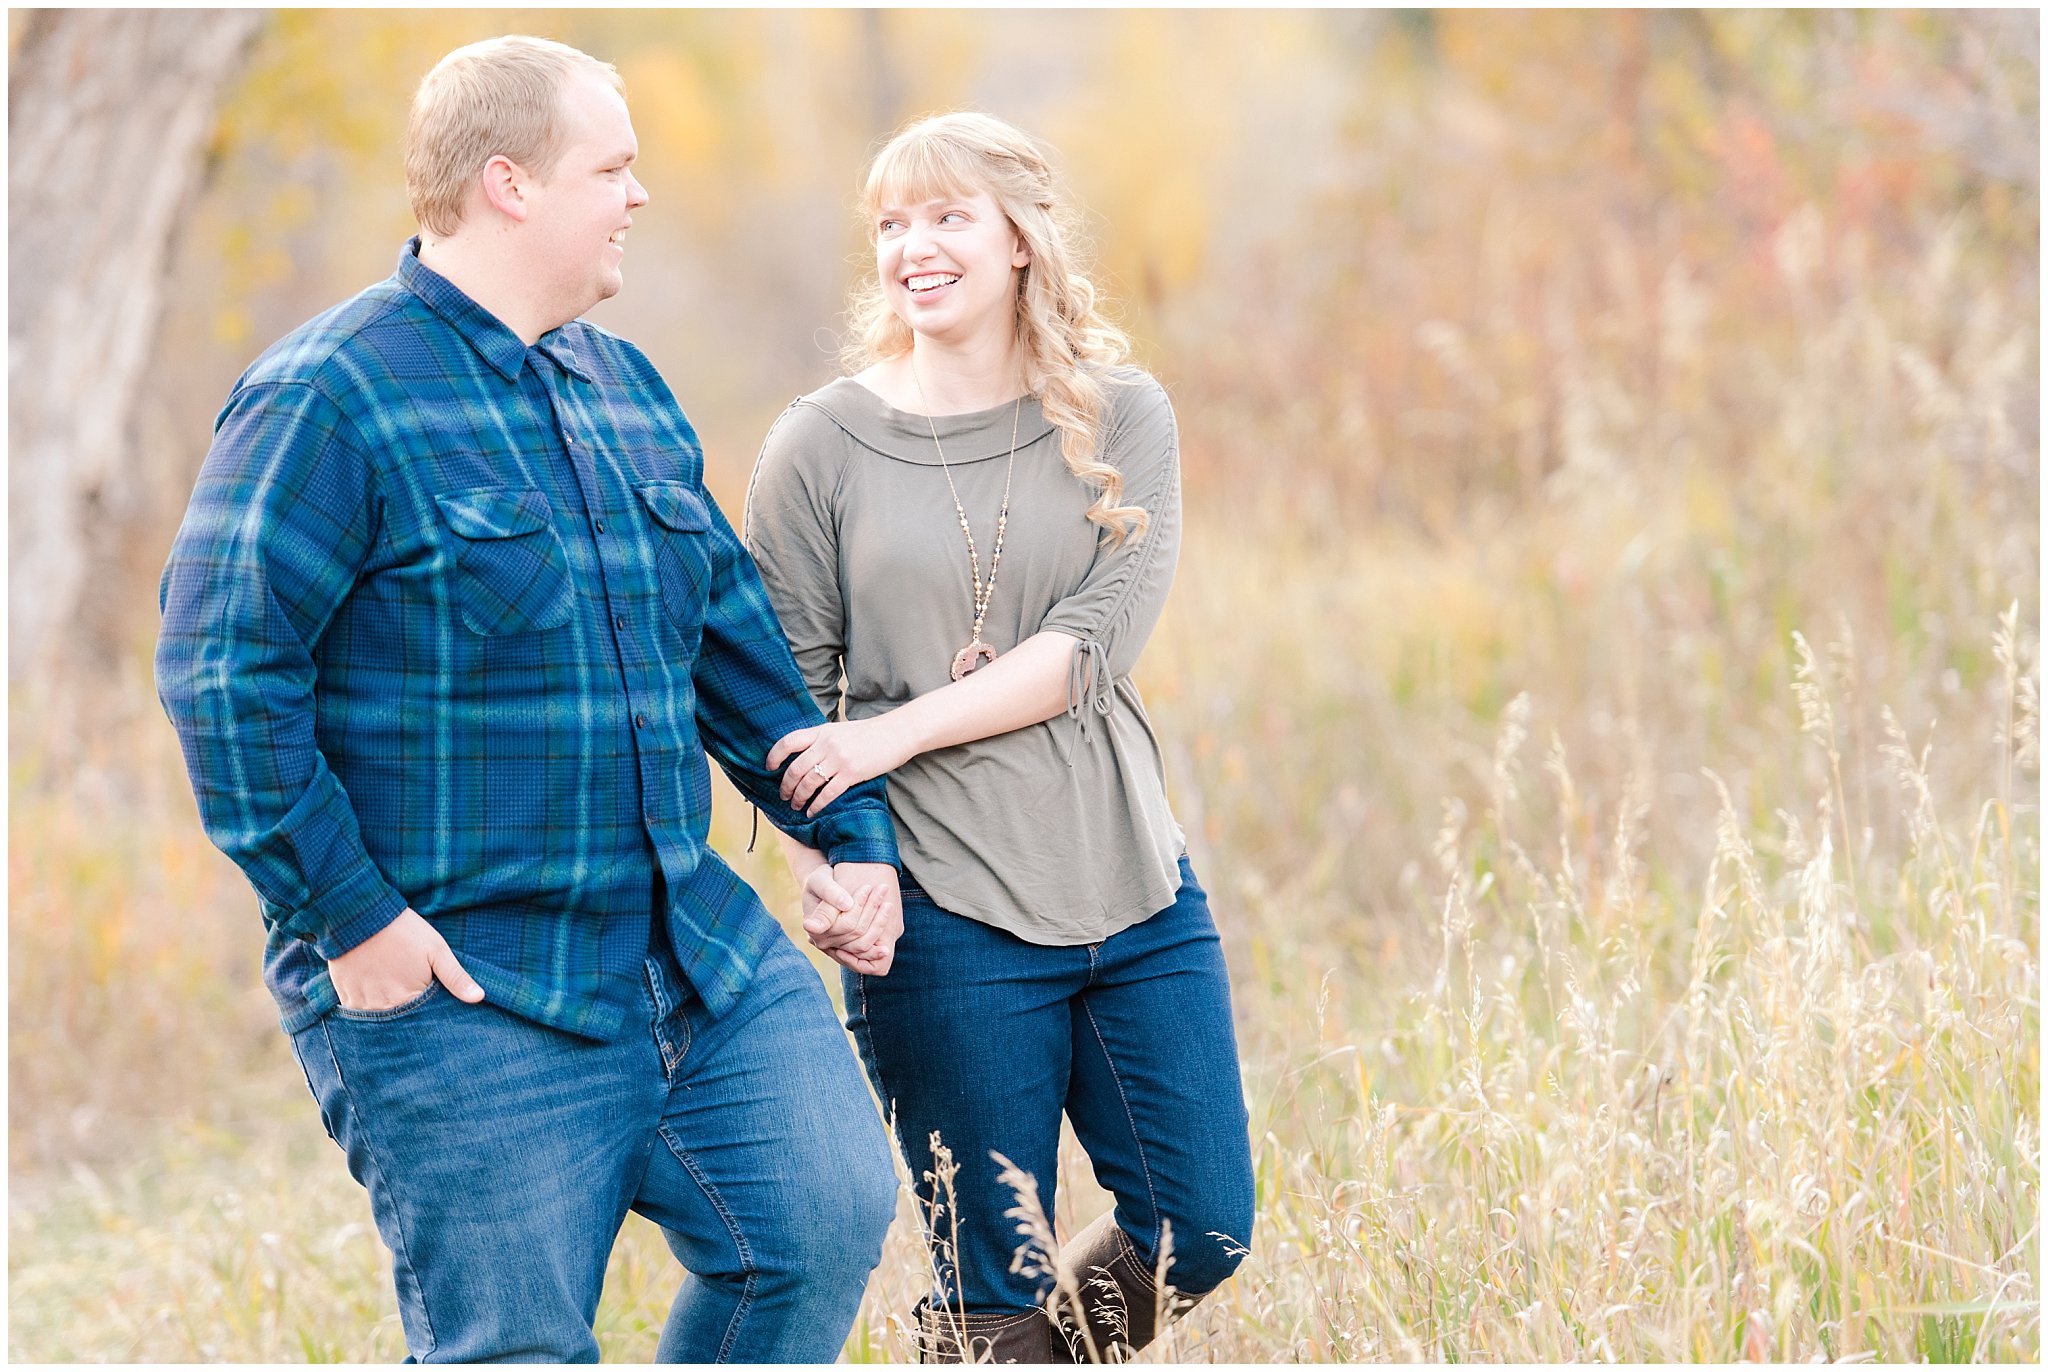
[949, 266]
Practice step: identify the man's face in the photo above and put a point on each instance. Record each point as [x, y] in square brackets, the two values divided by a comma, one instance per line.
[577, 218]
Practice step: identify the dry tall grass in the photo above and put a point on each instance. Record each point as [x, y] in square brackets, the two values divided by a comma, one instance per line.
[1601, 1109]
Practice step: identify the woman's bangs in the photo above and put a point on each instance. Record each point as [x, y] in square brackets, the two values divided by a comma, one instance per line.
[917, 170]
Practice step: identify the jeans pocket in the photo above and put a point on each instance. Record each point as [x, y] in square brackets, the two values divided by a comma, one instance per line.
[682, 548]
[514, 571]
[418, 1002]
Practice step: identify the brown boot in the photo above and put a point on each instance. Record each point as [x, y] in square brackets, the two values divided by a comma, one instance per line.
[991, 1336]
[1119, 1292]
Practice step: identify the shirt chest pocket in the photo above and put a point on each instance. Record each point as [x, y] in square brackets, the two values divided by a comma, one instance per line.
[514, 575]
[682, 548]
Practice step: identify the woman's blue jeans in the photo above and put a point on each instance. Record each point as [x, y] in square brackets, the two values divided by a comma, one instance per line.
[501, 1157]
[984, 1039]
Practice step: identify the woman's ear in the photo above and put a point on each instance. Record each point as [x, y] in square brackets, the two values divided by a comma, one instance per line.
[1022, 256]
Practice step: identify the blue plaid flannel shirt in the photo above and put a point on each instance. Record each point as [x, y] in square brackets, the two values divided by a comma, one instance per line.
[451, 623]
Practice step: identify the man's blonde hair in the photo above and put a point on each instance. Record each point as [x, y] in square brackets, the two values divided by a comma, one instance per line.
[500, 96]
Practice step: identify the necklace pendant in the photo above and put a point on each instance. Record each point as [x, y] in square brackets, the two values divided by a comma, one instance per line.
[972, 656]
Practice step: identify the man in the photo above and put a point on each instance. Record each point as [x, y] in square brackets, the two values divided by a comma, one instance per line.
[448, 629]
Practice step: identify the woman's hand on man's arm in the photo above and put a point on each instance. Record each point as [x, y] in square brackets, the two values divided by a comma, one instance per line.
[1027, 685]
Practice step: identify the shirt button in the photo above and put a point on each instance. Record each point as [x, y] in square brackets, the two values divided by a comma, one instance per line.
[600, 526]
[640, 721]
[569, 439]
[619, 623]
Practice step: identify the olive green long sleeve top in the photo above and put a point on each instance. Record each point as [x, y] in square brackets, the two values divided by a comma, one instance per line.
[1058, 832]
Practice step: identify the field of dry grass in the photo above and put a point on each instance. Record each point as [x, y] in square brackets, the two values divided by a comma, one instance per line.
[1625, 1051]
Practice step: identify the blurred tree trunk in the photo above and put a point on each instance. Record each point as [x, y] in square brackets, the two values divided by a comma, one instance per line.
[110, 112]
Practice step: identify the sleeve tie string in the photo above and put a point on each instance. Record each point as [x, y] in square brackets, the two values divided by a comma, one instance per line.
[1089, 689]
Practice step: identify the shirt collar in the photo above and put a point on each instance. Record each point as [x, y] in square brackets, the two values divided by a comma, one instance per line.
[557, 348]
[482, 330]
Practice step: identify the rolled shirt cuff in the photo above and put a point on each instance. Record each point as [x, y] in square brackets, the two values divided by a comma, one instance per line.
[862, 834]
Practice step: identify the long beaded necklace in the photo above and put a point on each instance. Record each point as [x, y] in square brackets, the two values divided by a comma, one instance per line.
[976, 653]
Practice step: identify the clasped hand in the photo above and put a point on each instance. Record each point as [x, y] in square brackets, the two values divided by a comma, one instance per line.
[853, 913]
[829, 758]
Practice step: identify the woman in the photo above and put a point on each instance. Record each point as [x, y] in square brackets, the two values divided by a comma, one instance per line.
[978, 528]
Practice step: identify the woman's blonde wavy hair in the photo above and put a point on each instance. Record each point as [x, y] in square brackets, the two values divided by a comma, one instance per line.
[1066, 345]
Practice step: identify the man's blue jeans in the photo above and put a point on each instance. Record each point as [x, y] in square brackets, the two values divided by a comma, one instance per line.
[985, 1039]
[501, 1157]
